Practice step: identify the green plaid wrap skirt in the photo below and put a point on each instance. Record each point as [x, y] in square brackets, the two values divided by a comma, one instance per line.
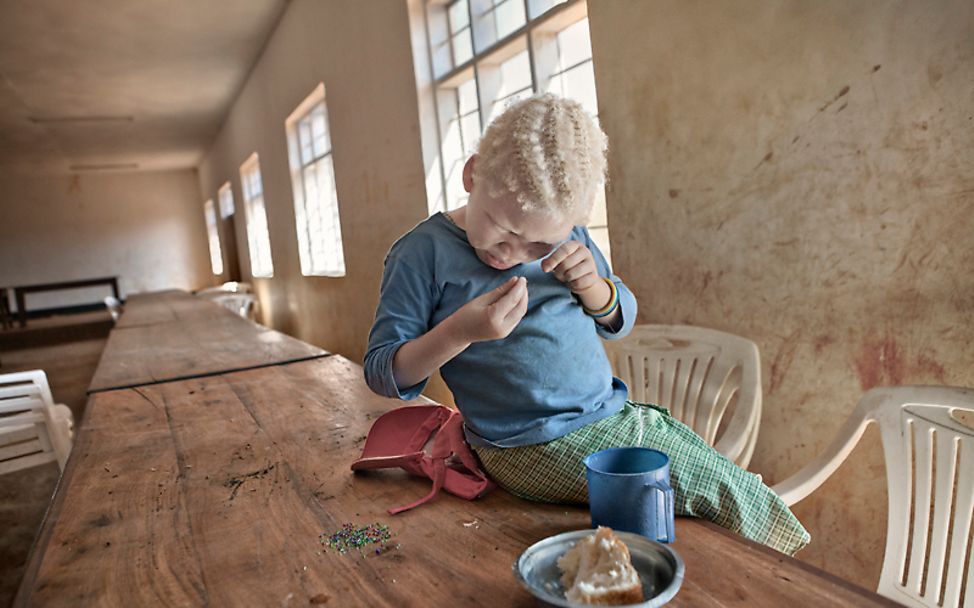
[705, 483]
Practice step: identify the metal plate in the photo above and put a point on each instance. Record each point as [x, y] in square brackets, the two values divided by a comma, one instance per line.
[660, 568]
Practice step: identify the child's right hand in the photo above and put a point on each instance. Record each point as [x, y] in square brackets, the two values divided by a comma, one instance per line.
[493, 315]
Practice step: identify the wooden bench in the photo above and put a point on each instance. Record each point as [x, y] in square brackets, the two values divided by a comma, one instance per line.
[21, 292]
[216, 491]
[6, 317]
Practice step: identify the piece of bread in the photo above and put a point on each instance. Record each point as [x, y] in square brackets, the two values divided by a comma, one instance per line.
[598, 570]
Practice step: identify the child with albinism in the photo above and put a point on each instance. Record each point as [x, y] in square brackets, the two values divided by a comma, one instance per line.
[508, 296]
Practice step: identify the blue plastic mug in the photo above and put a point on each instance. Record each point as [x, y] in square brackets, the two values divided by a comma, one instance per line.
[629, 490]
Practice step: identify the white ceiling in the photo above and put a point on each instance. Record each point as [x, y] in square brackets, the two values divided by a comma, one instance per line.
[163, 71]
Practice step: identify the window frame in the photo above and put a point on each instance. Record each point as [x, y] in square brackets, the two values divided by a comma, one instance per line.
[213, 237]
[544, 21]
[248, 168]
[221, 200]
[326, 203]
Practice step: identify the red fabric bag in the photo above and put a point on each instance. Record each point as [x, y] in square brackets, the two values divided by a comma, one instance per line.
[426, 440]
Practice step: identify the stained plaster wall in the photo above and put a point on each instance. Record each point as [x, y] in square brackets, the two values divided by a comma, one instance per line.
[144, 227]
[800, 173]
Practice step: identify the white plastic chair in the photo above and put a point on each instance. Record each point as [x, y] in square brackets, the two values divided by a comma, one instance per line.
[228, 287]
[930, 479]
[114, 307]
[244, 304]
[696, 373]
[33, 429]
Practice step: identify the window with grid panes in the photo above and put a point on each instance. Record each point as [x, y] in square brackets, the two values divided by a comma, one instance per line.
[258, 236]
[485, 55]
[213, 234]
[225, 195]
[315, 196]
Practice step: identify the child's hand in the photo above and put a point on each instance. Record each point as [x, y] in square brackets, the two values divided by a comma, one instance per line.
[572, 264]
[493, 315]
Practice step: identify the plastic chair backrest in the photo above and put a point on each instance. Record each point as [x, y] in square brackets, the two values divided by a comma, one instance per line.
[30, 430]
[696, 373]
[244, 304]
[930, 479]
[237, 287]
[228, 287]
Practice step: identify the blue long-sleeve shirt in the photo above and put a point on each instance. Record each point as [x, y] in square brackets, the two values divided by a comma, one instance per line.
[549, 377]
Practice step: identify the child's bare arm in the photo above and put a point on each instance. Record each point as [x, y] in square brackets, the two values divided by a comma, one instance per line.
[593, 299]
[573, 264]
[489, 317]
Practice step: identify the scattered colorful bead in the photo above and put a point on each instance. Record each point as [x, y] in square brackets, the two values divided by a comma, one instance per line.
[350, 537]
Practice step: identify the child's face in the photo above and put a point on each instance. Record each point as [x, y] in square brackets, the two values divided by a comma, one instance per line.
[503, 235]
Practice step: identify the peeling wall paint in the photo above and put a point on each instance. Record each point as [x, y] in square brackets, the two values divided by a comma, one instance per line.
[801, 174]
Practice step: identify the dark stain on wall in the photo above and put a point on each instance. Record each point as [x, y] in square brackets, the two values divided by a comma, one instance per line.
[821, 342]
[842, 93]
[880, 361]
[782, 361]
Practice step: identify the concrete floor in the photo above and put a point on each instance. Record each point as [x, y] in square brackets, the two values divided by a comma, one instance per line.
[25, 495]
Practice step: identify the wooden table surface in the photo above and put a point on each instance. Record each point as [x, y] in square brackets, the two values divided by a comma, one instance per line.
[214, 491]
[161, 307]
[206, 339]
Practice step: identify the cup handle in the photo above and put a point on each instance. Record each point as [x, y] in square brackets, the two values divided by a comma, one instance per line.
[665, 512]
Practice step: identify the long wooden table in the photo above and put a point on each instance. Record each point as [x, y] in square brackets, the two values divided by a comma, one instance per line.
[161, 307]
[178, 336]
[214, 491]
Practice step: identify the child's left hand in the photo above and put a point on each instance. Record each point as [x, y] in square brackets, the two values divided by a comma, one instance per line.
[573, 264]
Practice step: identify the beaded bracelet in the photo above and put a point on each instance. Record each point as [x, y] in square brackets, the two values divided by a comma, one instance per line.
[608, 308]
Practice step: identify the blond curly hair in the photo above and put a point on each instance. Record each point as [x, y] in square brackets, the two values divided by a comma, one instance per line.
[549, 152]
